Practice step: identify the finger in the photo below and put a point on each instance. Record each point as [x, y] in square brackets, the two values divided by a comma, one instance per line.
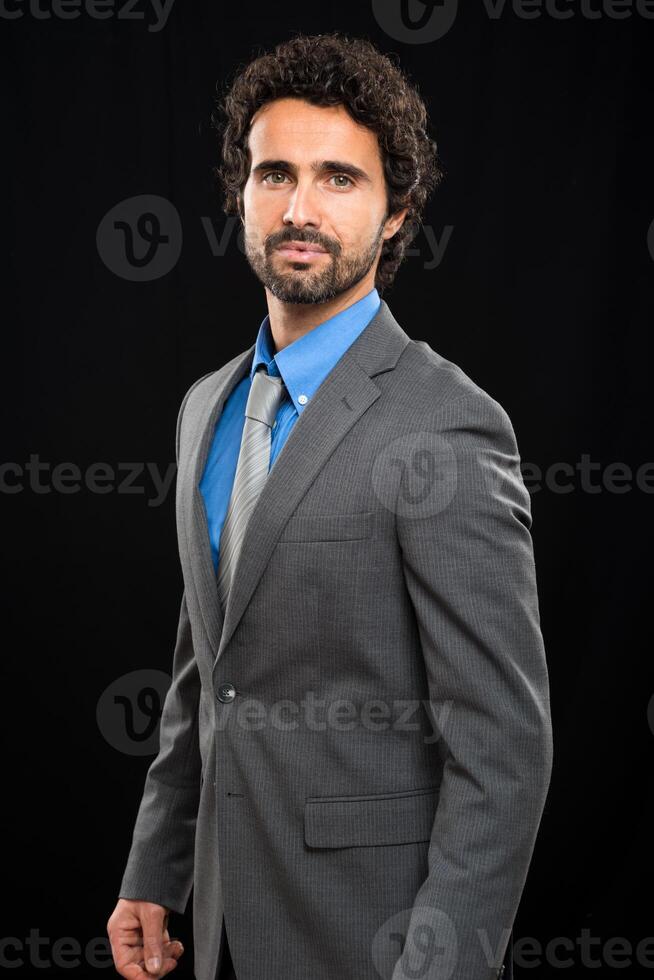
[169, 964]
[133, 935]
[136, 971]
[130, 963]
[129, 937]
[174, 948]
[126, 953]
[153, 925]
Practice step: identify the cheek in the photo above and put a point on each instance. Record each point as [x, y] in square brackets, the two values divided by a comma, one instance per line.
[355, 240]
[260, 206]
[354, 228]
[258, 223]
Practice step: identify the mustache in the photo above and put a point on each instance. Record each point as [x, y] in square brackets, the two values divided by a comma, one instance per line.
[274, 241]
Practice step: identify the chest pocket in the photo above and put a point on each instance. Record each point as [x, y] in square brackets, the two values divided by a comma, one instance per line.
[329, 527]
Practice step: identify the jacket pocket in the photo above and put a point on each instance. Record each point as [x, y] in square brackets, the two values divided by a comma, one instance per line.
[328, 527]
[363, 821]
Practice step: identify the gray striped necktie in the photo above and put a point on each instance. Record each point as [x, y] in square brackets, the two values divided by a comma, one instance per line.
[266, 393]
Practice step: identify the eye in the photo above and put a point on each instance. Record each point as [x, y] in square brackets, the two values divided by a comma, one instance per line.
[345, 177]
[271, 173]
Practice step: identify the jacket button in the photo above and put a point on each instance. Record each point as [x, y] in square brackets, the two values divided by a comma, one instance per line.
[226, 693]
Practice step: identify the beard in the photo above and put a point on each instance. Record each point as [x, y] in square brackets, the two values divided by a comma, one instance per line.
[314, 281]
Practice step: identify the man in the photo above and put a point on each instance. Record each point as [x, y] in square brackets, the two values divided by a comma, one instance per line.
[356, 744]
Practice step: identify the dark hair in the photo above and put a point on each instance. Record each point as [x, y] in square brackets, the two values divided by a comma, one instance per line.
[333, 69]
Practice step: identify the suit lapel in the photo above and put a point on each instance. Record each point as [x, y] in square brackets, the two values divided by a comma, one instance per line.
[200, 418]
[340, 401]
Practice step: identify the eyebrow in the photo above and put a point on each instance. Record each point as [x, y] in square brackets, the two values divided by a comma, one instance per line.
[318, 167]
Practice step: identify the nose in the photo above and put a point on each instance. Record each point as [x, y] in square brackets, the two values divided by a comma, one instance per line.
[301, 207]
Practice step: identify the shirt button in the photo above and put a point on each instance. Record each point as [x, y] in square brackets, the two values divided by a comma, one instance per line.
[226, 693]
[302, 399]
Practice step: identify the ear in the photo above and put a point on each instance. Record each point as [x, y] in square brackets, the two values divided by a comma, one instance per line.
[393, 224]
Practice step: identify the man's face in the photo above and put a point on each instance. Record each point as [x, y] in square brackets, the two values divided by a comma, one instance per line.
[316, 178]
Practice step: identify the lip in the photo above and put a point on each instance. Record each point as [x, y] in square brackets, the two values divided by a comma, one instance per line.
[301, 250]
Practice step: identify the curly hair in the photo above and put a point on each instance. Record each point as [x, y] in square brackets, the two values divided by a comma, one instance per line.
[328, 70]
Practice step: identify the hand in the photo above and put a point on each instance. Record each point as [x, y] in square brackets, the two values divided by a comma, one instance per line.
[140, 943]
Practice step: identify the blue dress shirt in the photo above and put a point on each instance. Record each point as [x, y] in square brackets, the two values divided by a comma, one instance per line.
[303, 366]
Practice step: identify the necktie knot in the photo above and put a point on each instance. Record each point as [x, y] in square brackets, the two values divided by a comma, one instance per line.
[266, 393]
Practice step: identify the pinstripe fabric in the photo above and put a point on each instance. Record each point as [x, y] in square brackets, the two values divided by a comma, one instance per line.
[264, 399]
[366, 804]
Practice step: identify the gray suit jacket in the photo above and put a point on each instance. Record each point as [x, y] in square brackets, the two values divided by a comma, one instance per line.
[354, 762]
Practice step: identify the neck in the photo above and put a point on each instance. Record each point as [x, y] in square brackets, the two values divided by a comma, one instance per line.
[289, 321]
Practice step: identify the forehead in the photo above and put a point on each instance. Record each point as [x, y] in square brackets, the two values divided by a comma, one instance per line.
[292, 129]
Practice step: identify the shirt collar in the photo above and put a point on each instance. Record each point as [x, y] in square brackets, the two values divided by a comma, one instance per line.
[305, 363]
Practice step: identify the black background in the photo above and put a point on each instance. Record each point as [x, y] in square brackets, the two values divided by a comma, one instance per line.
[543, 296]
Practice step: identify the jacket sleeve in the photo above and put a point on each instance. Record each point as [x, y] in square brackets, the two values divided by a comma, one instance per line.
[469, 568]
[160, 864]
